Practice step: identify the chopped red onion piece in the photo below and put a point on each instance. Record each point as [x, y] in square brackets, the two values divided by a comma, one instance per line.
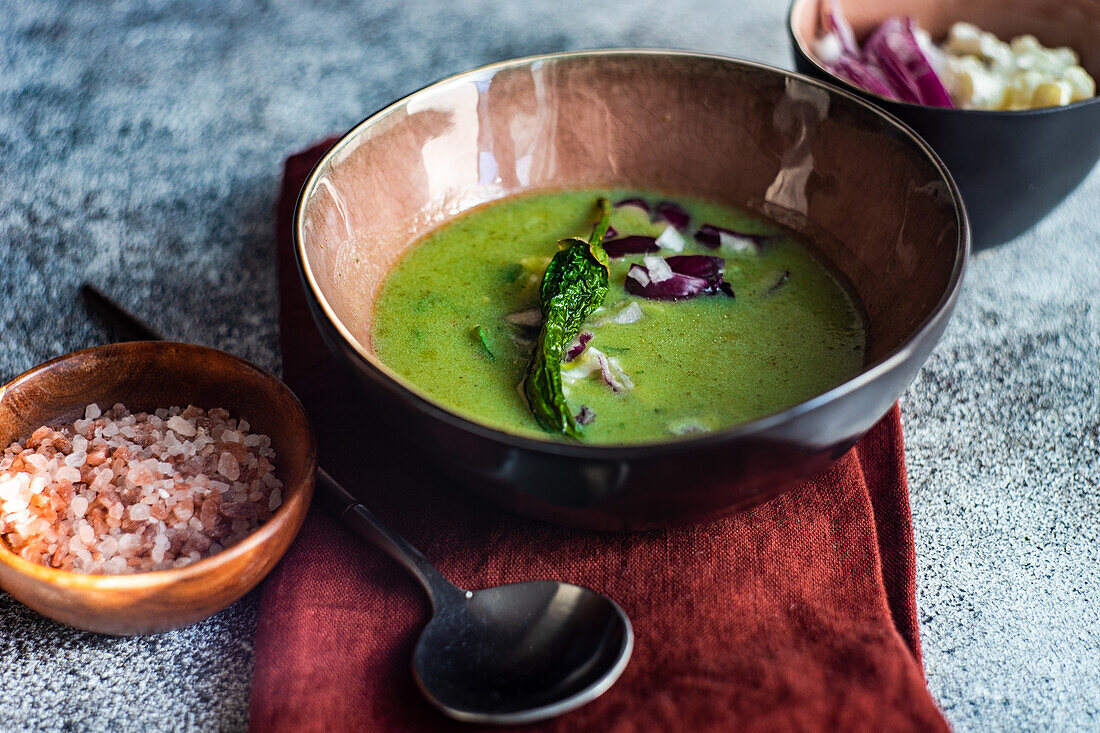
[610, 370]
[634, 203]
[673, 213]
[715, 237]
[671, 239]
[634, 244]
[578, 346]
[678, 287]
[692, 275]
[531, 317]
[613, 374]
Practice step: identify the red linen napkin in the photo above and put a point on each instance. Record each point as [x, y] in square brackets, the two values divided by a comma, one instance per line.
[796, 615]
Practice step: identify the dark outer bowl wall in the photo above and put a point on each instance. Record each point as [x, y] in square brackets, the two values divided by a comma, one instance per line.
[1012, 167]
[414, 165]
[643, 487]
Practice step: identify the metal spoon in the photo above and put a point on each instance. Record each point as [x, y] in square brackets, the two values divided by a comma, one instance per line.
[513, 653]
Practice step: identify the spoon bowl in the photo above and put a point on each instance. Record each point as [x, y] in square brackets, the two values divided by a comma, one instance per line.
[521, 652]
[508, 654]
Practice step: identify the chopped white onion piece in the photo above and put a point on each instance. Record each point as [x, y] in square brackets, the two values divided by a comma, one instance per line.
[736, 243]
[659, 271]
[630, 314]
[639, 274]
[671, 239]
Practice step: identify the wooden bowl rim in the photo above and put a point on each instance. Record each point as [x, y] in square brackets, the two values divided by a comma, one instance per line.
[70, 580]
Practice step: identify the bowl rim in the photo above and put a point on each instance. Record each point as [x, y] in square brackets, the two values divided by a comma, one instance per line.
[74, 581]
[801, 48]
[628, 451]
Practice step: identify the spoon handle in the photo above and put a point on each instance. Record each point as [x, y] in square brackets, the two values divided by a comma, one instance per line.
[334, 496]
[342, 504]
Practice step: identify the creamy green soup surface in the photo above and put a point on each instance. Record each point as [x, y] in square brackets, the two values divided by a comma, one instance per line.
[442, 322]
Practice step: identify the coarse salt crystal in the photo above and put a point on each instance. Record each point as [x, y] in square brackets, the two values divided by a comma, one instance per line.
[228, 466]
[182, 426]
[129, 544]
[67, 473]
[92, 411]
[79, 506]
[275, 500]
[15, 506]
[139, 512]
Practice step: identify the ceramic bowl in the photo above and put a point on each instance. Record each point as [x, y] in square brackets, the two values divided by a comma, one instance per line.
[871, 195]
[1012, 167]
[145, 376]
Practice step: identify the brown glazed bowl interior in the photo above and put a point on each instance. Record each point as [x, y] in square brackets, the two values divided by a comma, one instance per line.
[1012, 166]
[876, 203]
[145, 376]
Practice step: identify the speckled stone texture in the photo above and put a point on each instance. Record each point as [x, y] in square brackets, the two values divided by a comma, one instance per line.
[141, 145]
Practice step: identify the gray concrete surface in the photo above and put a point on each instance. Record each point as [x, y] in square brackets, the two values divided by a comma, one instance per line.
[141, 145]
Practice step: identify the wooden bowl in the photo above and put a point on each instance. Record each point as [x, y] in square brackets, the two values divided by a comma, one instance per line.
[144, 376]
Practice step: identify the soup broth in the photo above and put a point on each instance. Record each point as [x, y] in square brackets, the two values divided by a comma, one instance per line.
[455, 320]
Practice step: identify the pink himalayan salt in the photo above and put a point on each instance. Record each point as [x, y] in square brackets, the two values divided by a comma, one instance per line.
[120, 493]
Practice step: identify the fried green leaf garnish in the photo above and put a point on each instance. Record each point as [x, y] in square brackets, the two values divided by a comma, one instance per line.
[573, 286]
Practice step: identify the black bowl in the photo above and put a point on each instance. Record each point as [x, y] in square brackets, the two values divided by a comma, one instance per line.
[1012, 167]
[872, 197]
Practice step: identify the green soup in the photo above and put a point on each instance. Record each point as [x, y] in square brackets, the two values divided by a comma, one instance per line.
[791, 332]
